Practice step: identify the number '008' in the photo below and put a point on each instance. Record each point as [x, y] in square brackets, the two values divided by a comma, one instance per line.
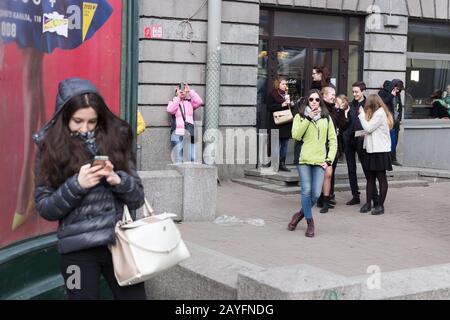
[9, 29]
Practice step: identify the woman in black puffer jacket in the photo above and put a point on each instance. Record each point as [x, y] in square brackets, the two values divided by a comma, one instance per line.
[86, 199]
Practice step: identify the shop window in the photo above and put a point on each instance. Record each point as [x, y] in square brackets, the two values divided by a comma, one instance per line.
[428, 67]
[264, 23]
[353, 67]
[301, 25]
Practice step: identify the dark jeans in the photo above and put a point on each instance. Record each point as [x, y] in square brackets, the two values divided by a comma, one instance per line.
[394, 139]
[297, 150]
[91, 263]
[350, 157]
[283, 147]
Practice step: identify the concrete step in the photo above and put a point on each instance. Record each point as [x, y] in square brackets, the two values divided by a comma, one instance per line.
[287, 190]
[290, 179]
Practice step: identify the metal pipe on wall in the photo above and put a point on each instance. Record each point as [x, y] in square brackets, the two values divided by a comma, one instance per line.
[213, 56]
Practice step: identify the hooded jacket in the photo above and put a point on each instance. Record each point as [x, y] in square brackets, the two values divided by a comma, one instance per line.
[393, 103]
[87, 217]
[353, 124]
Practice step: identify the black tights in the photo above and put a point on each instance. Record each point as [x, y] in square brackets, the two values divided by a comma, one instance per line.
[371, 185]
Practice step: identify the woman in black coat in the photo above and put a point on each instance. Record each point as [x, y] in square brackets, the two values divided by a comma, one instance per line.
[86, 199]
[280, 100]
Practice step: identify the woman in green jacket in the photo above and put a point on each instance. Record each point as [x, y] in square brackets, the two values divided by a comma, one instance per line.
[314, 126]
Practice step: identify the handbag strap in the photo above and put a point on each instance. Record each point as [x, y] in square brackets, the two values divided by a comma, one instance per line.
[182, 110]
[168, 250]
[147, 210]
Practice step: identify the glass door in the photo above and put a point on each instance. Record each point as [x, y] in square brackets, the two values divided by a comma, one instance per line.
[295, 59]
[328, 57]
[291, 64]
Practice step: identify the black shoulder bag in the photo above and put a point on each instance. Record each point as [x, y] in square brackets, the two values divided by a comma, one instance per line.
[187, 126]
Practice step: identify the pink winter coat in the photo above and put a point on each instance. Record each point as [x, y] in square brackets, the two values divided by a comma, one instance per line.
[189, 107]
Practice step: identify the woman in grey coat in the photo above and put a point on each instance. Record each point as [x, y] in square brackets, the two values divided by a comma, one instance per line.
[85, 198]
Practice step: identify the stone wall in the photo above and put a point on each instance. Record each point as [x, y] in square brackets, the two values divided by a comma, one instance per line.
[163, 63]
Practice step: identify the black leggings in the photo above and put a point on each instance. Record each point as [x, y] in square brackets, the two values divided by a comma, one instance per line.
[87, 265]
[335, 163]
[371, 186]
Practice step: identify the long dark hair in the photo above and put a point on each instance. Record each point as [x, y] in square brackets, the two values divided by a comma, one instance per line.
[326, 76]
[305, 102]
[61, 155]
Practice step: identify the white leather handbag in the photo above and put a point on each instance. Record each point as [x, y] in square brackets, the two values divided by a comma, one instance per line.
[146, 247]
[282, 117]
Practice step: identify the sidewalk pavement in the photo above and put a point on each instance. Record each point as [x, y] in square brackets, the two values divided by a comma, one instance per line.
[414, 231]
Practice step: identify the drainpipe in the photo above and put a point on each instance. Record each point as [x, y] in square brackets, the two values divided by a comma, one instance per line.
[213, 56]
[130, 64]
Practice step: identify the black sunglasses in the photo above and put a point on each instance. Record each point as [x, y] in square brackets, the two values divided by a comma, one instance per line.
[312, 99]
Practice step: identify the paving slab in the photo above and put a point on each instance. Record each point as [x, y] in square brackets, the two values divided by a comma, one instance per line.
[414, 232]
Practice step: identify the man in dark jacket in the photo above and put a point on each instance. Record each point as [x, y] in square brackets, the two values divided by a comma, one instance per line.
[390, 94]
[354, 145]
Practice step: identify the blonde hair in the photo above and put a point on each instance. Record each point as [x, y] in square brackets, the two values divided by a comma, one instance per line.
[344, 99]
[326, 90]
[374, 103]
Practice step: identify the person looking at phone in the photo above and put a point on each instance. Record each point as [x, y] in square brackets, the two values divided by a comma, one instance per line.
[314, 126]
[86, 198]
[182, 107]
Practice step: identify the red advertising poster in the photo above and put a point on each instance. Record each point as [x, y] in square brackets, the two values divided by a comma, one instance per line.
[41, 43]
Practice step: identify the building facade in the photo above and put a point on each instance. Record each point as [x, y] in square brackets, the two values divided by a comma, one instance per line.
[369, 40]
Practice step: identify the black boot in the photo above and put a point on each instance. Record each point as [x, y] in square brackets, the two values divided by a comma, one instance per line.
[267, 165]
[366, 208]
[378, 210]
[282, 166]
[320, 201]
[326, 204]
[332, 200]
[354, 201]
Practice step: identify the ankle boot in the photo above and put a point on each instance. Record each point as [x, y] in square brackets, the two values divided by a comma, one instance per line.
[296, 218]
[332, 200]
[355, 200]
[282, 166]
[310, 229]
[366, 208]
[378, 210]
[320, 201]
[326, 204]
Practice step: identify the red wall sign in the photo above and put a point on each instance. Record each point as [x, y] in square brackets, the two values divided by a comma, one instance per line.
[153, 32]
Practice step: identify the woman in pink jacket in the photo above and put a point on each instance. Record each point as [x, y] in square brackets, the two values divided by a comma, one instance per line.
[182, 108]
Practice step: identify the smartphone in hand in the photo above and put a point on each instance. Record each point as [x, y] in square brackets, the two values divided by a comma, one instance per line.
[99, 161]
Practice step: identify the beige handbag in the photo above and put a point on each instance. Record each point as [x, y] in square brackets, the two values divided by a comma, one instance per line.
[282, 117]
[146, 247]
